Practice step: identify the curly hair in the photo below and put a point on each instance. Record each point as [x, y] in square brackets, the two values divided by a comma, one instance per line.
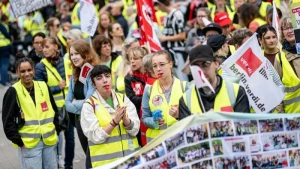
[87, 53]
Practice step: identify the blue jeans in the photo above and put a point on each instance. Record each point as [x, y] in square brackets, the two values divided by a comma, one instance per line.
[4, 63]
[70, 146]
[39, 157]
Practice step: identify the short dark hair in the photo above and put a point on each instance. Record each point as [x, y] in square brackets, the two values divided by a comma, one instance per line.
[239, 35]
[98, 70]
[99, 41]
[39, 34]
[264, 29]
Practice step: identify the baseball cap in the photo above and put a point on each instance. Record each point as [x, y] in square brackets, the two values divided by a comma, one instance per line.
[216, 41]
[201, 53]
[222, 19]
[214, 27]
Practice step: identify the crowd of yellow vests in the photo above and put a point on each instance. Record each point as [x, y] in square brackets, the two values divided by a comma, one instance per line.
[120, 94]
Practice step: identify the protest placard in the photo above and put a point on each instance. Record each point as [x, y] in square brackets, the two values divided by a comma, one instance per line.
[88, 17]
[235, 140]
[251, 66]
[85, 70]
[295, 15]
[22, 7]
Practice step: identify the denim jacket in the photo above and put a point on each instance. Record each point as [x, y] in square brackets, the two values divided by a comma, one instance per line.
[88, 91]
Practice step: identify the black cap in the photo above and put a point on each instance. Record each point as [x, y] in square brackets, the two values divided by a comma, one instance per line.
[201, 53]
[216, 41]
[212, 27]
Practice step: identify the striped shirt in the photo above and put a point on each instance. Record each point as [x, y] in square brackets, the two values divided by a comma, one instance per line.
[173, 25]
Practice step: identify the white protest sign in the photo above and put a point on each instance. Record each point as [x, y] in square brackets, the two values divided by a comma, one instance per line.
[88, 17]
[200, 79]
[249, 64]
[85, 70]
[22, 7]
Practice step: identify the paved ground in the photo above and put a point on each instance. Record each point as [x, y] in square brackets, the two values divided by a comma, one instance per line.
[9, 155]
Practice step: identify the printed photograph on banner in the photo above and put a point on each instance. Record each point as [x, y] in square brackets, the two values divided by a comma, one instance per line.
[279, 141]
[217, 147]
[294, 157]
[154, 153]
[272, 160]
[175, 141]
[167, 162]
[233, 162]
[193, 153]
[196, 133]
[221, 129]
[238, 147]
[271, 125]
[206, 164]
[245, 127]
[186, 167]
[255, 144]
[131, 162]
[292, 123]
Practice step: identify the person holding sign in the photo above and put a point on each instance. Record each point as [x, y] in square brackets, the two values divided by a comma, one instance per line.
[286, 64]
[161, 99]
[83, 57]
[109, 120]
[32, 103]
[228, 97]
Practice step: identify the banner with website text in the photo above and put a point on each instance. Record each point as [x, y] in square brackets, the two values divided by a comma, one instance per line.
[235, 140]
[249, 64]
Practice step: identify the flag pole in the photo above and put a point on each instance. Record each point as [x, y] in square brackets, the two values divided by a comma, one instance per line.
[200, 100]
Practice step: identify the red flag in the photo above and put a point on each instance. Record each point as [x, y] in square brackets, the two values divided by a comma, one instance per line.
[148, 35]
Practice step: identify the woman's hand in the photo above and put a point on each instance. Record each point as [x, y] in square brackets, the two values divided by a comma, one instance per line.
[62, 84]
[119, 114]
[160, 121]
[126, 120]
[174, 111]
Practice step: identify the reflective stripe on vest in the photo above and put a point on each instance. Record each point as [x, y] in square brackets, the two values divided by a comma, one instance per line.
[263, 9]
[118, 143]
[155, 91]
[38, 116]
[291, 101]
[54, 78]
[3, 40]
[226, 98]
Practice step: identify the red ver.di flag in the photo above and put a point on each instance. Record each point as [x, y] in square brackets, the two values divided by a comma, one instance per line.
[148, 34]
[249, 64]
[85, 70]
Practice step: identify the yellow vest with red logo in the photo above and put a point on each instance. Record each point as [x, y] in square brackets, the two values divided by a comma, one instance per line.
[224, 101]
[156, 93]
[38, 116]
[54, 78]
[118, 144]
[291, 101]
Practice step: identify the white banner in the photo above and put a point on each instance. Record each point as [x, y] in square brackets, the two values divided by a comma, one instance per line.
[200, 79]
[88, 17]
[85, 70]
[22, 7]
[250, 65]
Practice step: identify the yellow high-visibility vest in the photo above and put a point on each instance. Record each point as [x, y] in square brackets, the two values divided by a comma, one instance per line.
[38, 116]
[120, 84]
[3, 40]
[291, 101]
[260, 21]
[156, 94]
[114, 66]
[54, 78]
[229, 11]
[33, 27]
[74, 16]
[263, 8]
[118, 144]
[225, 99]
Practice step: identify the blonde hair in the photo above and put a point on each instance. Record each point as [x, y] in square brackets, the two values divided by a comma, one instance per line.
[284, 22]
[147, 63]
[138, 52]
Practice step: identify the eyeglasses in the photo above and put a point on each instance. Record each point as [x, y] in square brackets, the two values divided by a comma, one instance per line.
[160, 65]
[37, 43]
[288, 28]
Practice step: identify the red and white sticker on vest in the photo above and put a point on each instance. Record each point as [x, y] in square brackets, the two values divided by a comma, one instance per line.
[227, 109]
[44, 106]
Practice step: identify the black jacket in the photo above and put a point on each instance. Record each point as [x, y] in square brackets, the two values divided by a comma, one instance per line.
[11, 109]
[34, 57]
[134, 88]
[241, 104]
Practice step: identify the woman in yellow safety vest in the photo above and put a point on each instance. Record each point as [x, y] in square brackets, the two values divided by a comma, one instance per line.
[109, 120]
[55, 31]
[162, 97]
[104, 21]
[5, 44]
[81, 89]
[124, 67]
[32, 105]
[103, 46]
[249, 17]
[286, 64]
[116, 34]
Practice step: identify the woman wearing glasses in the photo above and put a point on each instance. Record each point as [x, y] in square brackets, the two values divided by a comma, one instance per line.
[79, 91]
[109, 120]
[53, 27]
[32, 102]
[160, 101]
[116, 34]
[287, 65]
